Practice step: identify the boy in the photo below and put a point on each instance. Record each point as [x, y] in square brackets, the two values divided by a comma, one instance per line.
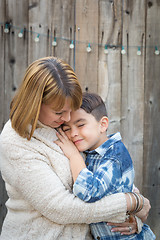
[109, 165]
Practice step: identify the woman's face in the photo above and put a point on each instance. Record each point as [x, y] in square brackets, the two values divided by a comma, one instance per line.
[53, 118]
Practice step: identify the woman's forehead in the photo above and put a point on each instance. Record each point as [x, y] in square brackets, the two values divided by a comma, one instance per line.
[56, 105]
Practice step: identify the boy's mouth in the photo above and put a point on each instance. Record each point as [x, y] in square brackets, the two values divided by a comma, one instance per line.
[78, 141]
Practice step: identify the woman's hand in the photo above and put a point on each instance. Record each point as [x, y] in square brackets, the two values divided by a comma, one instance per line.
[126, 228]
[77, 163]
[143, 214]
[132, 205]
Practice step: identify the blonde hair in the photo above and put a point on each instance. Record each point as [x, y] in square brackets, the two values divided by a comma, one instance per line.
[48, 80]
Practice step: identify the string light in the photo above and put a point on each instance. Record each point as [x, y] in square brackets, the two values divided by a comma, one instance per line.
[89, 48]
[156, 51]
[123, 51]
[8, 26]
[54, 43]
[106, 49]
[71, 46]
[20, 34]
[6, 29]
[139, 51]
[37, 38]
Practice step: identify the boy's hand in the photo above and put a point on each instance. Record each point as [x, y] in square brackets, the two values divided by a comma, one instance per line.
[66, 145]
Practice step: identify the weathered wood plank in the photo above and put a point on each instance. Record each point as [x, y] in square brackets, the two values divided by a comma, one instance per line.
[87, 33]
[62, 25]
[3, 195]
[133, 83]
[18, 55]
[109, 65]
[2, 73]
[39, 27]
[15, 50]
[151, 164]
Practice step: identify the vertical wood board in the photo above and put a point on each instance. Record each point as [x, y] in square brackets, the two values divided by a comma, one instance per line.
[109, 69]
[133, 83]
[62, 25]
[2, 73]
[87, 33]
[151, 170]
[39, 28]
[3, 195]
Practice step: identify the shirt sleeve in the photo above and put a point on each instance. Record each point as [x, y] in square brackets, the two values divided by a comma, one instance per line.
[106, 180]
[139, 224]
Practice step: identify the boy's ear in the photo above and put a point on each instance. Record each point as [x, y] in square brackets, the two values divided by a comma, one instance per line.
[104, 122]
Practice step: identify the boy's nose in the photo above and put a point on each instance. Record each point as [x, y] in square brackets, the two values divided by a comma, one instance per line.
[74, 132]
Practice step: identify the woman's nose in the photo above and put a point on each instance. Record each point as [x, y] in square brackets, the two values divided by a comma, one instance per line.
[66, 116]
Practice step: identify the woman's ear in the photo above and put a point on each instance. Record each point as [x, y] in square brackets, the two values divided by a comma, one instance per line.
[104, 122]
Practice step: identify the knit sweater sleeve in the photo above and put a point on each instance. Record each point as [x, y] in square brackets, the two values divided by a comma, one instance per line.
[43, 190]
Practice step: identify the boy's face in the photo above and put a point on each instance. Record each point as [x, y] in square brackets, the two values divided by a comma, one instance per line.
[84, 130]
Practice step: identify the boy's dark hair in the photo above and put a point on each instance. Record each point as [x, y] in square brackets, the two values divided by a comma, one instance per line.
[92, 103]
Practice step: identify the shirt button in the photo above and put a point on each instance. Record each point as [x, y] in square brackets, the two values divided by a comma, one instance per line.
[87, 164]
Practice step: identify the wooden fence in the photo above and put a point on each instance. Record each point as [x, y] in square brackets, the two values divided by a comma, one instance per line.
[122, 66]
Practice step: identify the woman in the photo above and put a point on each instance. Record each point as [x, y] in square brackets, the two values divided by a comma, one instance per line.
[36, 172]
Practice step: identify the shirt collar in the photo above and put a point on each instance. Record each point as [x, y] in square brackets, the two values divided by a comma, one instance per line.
[101, 150]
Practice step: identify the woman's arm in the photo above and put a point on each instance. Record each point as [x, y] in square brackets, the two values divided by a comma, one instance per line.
[41, 188]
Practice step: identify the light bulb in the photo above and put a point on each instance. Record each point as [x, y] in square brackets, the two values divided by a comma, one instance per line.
[156, 51]
[6, 29]
[89, 48]
[37, 38]
[139, 51]
[54, 43]
[71, 46]
[123, 51]
[20, 34]
[106, 49]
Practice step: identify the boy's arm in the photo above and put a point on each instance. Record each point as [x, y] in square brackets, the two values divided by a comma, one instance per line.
[89, 186]
[77, 163]
[106, 180]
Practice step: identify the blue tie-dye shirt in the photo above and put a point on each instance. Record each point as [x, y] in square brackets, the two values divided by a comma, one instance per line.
[109, 170]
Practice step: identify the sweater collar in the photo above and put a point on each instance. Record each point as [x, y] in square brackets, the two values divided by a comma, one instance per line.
[47, 135]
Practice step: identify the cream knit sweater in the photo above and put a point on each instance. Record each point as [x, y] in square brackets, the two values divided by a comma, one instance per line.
[38, 181]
